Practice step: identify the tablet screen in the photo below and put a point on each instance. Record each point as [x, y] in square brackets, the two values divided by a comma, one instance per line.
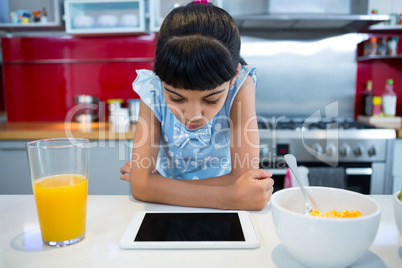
[163, 227]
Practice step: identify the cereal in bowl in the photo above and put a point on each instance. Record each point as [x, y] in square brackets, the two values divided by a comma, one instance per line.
[336, 214]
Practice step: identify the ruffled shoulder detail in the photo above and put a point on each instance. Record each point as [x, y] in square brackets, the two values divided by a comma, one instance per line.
[246, 70]
[149, 87]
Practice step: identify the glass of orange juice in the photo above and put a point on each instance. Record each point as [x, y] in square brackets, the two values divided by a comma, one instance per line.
[59, 175]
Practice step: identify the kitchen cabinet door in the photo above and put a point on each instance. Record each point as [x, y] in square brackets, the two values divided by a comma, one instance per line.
[50, 21]
[105, 160]
[14, 169]
[397, 167]
[89, 17]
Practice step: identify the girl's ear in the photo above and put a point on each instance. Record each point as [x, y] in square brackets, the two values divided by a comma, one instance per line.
[233, 80]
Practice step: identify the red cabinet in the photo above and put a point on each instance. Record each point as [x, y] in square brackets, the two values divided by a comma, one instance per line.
[378, 69]
[43, 74]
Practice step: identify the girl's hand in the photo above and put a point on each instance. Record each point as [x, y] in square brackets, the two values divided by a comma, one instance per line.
[252, 190]
[125, 171]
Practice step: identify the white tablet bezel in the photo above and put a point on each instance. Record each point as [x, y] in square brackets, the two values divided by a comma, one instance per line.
[250, 234]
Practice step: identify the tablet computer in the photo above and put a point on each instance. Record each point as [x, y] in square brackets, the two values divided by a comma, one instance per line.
[186, 230]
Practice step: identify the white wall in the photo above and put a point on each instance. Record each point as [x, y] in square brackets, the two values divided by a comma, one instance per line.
[386, 7]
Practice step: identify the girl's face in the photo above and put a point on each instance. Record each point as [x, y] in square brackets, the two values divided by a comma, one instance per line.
[194, 108]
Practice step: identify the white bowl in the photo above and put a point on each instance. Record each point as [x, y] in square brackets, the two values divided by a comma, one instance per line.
[398, 212]
[83, 21]
[129, 20]
[108, 21]
[325, 242]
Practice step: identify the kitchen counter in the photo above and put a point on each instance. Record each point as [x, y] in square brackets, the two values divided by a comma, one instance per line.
[108, 216]
[45, 130]
[383, 122]
[92, 131]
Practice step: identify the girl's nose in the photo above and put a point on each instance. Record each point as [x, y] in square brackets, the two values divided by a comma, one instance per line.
[193, 112]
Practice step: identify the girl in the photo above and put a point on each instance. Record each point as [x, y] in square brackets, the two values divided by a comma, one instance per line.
[196, 141]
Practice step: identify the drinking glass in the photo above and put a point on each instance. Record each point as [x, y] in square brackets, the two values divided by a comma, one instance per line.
[59, 176]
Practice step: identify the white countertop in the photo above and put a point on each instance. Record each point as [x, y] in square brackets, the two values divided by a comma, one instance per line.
[108, 216]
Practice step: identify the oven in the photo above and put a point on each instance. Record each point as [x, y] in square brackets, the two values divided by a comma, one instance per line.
[339, 153]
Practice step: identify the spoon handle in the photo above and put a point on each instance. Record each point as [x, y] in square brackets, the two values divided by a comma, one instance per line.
[292, 163]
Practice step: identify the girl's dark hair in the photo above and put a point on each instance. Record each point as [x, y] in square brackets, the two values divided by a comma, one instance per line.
[198, 47]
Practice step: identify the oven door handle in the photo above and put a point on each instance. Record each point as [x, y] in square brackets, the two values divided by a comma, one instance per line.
[359, 171]
[277, 171]
[348, 171]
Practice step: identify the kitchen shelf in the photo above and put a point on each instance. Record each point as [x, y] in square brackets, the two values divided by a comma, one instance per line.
[53, 8]
[30, 26]
[96, 17]
[385, 28]
[378, 57]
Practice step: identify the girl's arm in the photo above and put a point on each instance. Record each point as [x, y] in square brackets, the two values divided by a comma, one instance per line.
[245, 139]
[250, 192]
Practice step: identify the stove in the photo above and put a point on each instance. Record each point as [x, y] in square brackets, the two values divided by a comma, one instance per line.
[301, 123]
[363, 151]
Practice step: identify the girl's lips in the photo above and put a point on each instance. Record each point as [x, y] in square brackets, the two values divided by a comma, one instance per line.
[192, 126]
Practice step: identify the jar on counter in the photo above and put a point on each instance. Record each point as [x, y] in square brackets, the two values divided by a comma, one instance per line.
[119, 121]
[134, 109]
[113, 106]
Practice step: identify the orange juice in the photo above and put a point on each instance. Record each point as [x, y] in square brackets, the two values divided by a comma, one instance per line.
[61, 202]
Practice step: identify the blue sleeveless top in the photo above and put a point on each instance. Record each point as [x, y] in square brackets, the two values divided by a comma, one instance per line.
[184, 153]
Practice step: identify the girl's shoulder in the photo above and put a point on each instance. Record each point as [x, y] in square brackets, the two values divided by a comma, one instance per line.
[245, 71]
[145, 78]
[149, 87]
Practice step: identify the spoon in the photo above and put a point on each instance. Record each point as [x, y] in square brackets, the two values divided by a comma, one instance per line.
[292, 163]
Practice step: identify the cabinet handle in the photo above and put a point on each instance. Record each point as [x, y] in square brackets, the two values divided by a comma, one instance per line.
[13, 148]
[359, 171]
[349, 171]
[277, 171]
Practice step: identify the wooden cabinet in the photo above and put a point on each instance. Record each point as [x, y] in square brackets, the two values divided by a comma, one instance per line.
[106, 158]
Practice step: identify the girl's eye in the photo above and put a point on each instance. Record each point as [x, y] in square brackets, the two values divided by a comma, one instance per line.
[175, 100]
[212, 102]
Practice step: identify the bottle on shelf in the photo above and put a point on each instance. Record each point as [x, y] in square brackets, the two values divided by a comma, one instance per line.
[377, 105]
[368, 99]
[43, 18]
[389, 99]
[392, 47]
[372, 46]
[382, 46]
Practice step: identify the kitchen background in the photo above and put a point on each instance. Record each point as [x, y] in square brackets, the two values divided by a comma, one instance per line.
[316, 49]
[309, 54]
